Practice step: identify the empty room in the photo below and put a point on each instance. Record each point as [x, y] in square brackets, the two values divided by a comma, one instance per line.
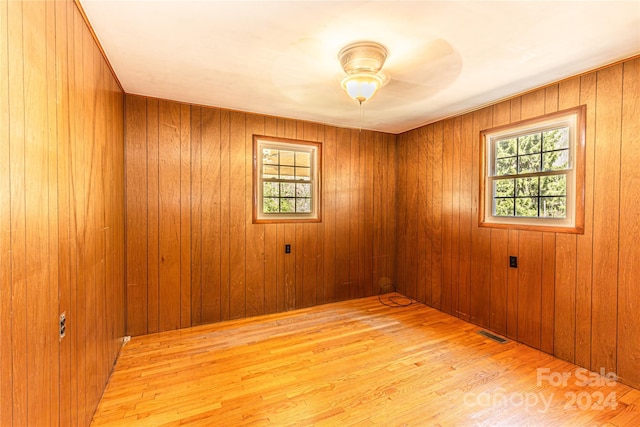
[226, 213]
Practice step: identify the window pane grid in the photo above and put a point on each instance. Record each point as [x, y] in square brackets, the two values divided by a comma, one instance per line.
[525, 180]
[532, 175]
[530, 197]
[541, 151]
[287, 181]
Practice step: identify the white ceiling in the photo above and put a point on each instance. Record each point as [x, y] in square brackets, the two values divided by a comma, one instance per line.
[280, 57]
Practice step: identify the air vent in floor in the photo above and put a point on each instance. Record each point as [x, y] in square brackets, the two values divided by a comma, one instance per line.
[494, 337]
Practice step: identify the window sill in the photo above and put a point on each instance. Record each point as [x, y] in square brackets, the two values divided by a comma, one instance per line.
[286, 220]
[579, 229]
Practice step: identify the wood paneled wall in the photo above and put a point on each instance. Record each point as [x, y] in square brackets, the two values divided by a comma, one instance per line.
[193, 254]
[61, 216]
[574, 296]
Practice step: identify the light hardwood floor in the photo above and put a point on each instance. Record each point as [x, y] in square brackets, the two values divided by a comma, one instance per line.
[356, 362]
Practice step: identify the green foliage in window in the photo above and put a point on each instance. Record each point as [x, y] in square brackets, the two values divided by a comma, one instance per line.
[270, 189]
[506, 166]
[553, 185]
[287, 189]
[287, 181]
[527, 206]
[303, 205]
[504, 187]
[553, 207]
[287, 205]
[529, 144]
[271, 204]
[504, 207]
[556, 139]
[506, 148]
[529, 164]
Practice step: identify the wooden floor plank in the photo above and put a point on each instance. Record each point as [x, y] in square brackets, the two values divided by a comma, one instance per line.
[352, 362]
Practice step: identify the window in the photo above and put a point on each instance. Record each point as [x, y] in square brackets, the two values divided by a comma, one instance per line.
[533, 174]
[286, 180]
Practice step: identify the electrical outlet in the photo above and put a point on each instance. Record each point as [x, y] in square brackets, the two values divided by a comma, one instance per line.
[513, 261]
[63, 324]
[287, 249]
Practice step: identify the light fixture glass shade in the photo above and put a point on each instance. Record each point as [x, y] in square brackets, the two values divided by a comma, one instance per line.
[362, 86]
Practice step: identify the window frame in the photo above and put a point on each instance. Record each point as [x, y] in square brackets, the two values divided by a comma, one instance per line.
[574, 223]
[259, 217]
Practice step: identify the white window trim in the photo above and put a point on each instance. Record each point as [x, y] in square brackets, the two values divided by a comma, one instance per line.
[574, 221]
[315, 149]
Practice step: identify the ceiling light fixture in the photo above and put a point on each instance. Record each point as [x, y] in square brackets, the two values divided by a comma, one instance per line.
[362, 62]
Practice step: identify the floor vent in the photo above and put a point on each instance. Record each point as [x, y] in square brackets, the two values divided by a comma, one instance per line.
[491, 336]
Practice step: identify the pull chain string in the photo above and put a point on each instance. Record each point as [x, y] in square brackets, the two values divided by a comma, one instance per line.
[361, 116]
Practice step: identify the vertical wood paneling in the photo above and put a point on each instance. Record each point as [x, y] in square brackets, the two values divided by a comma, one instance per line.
[185, 216]
[52, 359]
[329, 213]
[480, 291]
[214, 263]
[400, 243]
[153, 216]
[282, 275]
[137, 212]
[365, 226]
[169, 217]
[547, 292]
[209, 196]
[299, 242]
[514, 237]
[411, 164]
[529, 289]
[65, 271]
[605, 231]
[466, 172]
[379, 274]
[422, 244]
[18, 227]
[571, 294]
[289, 130]
[361, 203]
[512, 287]
[101, 240]
[389, 224]
[584, 276]
[78, 158]
[118, 285]
[446, 218]
[548, 257]
[354, 212]
[272, 254]
[426, 207]
[225, 212]
[628, 296]
[237, 226]
[310, 239]
[6, 385]
[61, 221]
[196, 215]
[455, 216]
[523, 303]
[320, 231]
[38, 336]
[89, 250]
[530, 254]
[565, 297]
[565, 259]
[254, 260]
[436, 206]
[499, 249]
